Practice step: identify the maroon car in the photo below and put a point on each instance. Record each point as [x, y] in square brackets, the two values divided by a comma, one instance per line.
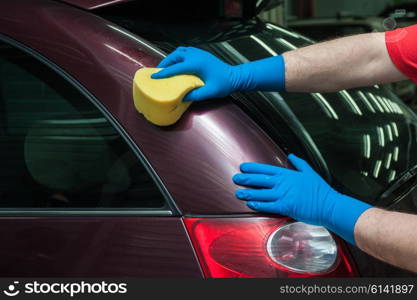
[90, 188]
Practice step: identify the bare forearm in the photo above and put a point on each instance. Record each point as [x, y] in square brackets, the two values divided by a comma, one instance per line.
[389, 236]
[349, 62]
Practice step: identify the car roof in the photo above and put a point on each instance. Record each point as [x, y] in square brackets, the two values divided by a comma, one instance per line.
[195, 158]
[93, 4]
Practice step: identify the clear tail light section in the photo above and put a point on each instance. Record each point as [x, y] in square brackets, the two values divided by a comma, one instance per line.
[251, 247]
[303, 248]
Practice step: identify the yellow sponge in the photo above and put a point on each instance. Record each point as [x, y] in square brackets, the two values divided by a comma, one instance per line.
[160, 100]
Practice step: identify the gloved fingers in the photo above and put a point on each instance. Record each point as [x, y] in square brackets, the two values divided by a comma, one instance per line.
[258, 168]
[255, 180]
[300, 164]
[177, 69]
[266, 195]
[268, 207]
[173, 58]
[198, 94]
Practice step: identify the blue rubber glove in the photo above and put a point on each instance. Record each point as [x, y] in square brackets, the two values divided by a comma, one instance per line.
[220, 78]
[302, 195]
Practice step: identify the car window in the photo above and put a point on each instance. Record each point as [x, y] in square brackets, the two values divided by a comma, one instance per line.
[57, 149]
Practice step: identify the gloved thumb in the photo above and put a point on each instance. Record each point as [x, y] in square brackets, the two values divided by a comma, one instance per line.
[300, 164]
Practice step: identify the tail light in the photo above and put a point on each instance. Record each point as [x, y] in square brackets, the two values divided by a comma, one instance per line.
[267, 247]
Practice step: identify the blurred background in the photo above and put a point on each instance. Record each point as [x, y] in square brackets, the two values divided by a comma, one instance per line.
[327, 19]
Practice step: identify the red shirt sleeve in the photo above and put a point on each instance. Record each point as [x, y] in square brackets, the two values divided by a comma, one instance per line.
[402, 48]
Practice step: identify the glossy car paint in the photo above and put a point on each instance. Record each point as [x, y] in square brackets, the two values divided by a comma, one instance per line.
[196, 157]
[93, 4]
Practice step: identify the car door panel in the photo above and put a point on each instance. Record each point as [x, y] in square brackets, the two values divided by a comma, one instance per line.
[95, 247]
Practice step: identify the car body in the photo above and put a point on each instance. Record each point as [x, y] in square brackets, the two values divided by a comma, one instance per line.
[90, 188]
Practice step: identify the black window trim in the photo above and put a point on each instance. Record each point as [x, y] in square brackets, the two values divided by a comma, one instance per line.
[173, 208]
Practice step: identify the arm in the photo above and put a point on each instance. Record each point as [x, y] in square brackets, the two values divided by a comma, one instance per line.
[354, 61]
[304, 196]
[344, 63]
[388, 236]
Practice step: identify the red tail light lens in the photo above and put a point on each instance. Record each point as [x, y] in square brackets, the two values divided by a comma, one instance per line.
[241, 247]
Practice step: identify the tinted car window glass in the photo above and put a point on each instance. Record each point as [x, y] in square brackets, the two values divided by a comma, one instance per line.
[56, 147]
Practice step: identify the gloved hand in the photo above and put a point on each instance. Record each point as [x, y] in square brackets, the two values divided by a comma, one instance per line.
[301, 194]
[222, 79]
